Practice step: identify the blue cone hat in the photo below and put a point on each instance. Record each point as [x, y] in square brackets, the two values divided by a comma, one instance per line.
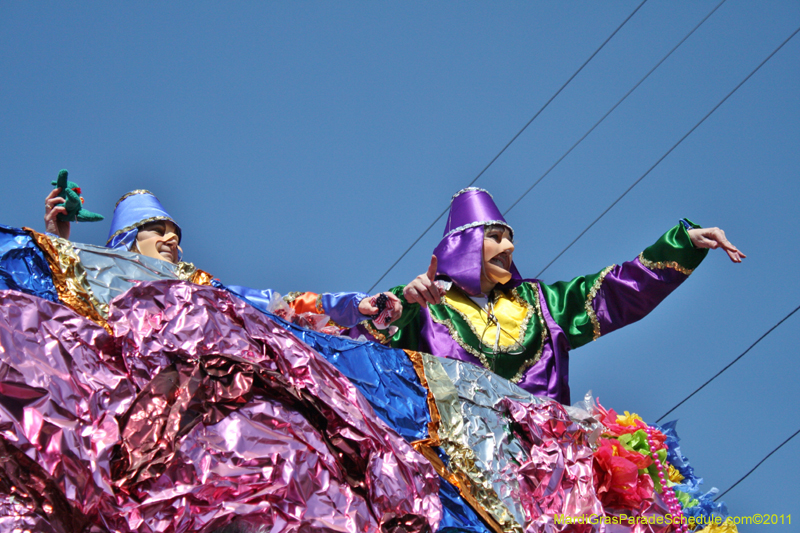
[132, 211]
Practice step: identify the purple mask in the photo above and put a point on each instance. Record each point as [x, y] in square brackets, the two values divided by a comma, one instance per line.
[460, 253]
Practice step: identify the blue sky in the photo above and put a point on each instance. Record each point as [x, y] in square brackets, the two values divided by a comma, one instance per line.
[306, 145]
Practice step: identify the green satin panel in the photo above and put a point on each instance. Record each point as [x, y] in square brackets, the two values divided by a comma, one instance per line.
[675, 245]
[408, 326]
[566, 301]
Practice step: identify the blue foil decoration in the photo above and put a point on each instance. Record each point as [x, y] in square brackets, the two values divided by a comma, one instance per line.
[23, 266]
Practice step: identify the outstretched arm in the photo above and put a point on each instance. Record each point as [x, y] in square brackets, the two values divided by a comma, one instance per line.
[590, 306]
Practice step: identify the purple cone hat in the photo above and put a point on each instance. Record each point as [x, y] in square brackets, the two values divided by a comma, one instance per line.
[460, 253]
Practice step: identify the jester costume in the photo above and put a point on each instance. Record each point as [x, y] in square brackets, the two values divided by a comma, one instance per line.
[538, 323]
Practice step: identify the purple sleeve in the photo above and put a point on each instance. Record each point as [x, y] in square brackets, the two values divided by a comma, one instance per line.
[630, 291]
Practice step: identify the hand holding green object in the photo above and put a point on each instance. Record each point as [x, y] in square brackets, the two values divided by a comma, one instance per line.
[73, 203]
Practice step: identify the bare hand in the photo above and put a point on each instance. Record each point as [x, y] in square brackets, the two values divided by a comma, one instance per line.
[53, 206]
[715, 238]
[367, 309]
[422, 290]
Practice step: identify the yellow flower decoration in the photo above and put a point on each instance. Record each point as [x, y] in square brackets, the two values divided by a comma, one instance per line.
[674, 475]
[728, 526]
[629, 419]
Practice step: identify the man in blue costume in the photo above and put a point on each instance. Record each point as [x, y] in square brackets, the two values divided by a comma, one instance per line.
[141, 224]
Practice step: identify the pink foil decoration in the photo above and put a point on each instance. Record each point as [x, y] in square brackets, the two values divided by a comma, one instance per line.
[198, 411]
[558, 478]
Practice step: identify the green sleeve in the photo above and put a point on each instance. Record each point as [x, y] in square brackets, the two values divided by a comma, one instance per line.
[408, 328]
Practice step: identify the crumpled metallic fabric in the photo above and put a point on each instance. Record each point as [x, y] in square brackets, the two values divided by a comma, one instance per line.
[109, 273]
[23, 266]
[384, 375]
[197, 411]
[556, 478]
[477, 409]
[387, 378]
[180, 408]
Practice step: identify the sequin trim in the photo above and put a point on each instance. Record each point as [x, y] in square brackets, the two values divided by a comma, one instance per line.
[484, 223]
[523, 327]
[380, 337]
[590, 298]
[468, 189]
[475, 224]
[133, 193]
[531, 310]
[318, 305]
[138, 225]
[661, 265]
[545, 333]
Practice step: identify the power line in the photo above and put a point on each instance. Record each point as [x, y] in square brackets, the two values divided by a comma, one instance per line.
[715, 376]
[635, 183]
[613, 108]
[511, 141]
[759, 464]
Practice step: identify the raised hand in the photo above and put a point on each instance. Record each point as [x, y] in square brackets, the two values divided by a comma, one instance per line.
[422, 290]
[54, 206]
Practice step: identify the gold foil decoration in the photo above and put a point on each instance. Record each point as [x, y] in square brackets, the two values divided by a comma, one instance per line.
[185, 271]
[69, 278]
[661, 265]
[201, 277]
[590, 297]
[188, 272]
[433, 425]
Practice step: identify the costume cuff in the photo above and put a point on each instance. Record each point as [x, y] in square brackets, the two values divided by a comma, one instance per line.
[674, 250]
[342, 307]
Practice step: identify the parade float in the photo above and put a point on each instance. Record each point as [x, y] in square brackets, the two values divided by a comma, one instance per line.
[142, 395]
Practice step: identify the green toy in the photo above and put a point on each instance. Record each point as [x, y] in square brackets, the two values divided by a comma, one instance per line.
[73, 202]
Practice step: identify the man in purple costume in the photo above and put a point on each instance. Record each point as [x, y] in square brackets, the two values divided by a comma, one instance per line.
[482, 311]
